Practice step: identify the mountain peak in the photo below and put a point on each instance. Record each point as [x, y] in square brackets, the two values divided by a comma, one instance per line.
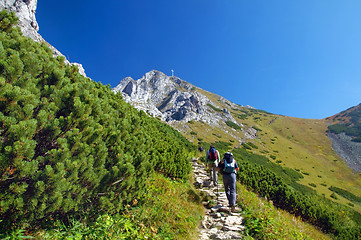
[161, 95]
[174, 100]
[167, 97]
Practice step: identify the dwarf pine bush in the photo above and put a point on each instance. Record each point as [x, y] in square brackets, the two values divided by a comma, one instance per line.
[69, 145]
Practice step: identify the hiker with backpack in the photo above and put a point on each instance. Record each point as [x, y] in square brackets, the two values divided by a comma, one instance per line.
[229, 168]
[212, 158]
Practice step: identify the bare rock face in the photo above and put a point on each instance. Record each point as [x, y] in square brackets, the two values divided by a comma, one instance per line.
[173, 100]
[347, 149]
[344, 133]
[25, 10]
[170, 98]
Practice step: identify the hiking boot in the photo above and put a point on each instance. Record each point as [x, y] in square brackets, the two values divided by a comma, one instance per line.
[235, 209]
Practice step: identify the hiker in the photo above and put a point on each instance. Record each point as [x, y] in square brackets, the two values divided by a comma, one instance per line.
[212, 158]
[229, 168]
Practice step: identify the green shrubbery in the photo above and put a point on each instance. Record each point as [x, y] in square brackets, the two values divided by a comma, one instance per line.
[233, 125]
[245, 146]
[300, 200]
[69, 146]
[152, 217]
[222, 146]
[214, 108]
[252, 145]
[279, 184]
[351, 125]
[346, 194]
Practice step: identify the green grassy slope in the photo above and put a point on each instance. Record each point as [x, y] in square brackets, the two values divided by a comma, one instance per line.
[348, 121]
[291, 161]
[299, 144]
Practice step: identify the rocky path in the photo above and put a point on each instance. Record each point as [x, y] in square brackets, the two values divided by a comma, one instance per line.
[219, 221]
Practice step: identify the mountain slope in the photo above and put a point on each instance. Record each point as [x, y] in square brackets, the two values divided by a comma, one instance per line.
[69, 147]
[344, 130]
[298, 144]
[180, 104]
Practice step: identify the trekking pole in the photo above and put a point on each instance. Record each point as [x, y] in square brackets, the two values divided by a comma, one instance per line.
[217, 194]
[216, 177]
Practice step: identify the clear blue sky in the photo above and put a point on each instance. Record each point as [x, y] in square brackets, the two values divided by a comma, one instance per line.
[300, 58]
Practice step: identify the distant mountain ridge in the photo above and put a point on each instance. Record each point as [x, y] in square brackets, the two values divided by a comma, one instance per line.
[179, 103]
[344, 131]
[348, 121]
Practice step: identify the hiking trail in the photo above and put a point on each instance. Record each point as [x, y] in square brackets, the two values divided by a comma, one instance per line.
[219, 221]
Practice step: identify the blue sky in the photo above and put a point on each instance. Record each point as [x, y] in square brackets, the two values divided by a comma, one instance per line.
[295, 58]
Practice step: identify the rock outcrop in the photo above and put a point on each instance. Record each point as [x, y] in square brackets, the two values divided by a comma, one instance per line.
[173, 99]
[169, 98]
[348, 150]
[344, 131]
[25, 10]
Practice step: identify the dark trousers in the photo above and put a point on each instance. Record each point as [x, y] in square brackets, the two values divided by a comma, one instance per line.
[229, 182]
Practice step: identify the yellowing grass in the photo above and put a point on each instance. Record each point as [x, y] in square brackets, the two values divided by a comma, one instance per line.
[300, 144]
[170, 209]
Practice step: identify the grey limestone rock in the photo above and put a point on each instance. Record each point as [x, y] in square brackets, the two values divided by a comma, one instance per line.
[347, 149]
[169, 98]
[25, 11]
[172, 99]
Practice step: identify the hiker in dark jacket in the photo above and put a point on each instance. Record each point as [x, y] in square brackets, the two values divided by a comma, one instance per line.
[212, 158]
[229, 168]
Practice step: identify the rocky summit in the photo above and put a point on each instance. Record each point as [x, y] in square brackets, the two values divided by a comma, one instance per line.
[173, 99]
[169, 98]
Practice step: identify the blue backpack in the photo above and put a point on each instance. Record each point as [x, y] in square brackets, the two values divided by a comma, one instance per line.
[229, 164]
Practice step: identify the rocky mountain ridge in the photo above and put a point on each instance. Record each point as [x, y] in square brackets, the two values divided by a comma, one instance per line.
[25, 10]
[348, 150]
[174, 100]
[170, 98]
[344, 132]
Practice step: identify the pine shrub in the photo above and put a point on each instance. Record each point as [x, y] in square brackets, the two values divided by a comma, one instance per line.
[69, 145]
